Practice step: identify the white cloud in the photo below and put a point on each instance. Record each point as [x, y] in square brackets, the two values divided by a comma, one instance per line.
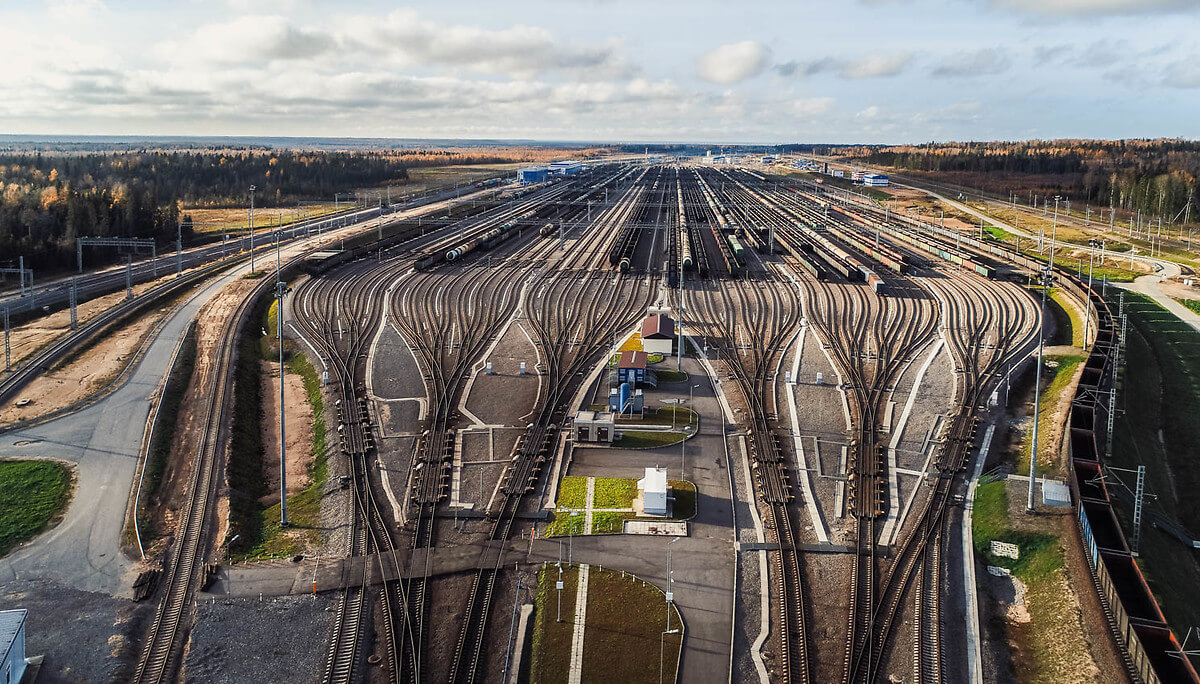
[870, 66]
[983, 62]
[733, 62]
[1094, 7]
[249, 38]
[871, 113]
[811, 107]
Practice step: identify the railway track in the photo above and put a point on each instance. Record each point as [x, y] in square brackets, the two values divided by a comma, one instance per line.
[162, 652]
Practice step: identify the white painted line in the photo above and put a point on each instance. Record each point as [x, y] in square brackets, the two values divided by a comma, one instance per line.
[587, 511]
[892, 526]
[810, 501]
[974, 648]
[581, 590]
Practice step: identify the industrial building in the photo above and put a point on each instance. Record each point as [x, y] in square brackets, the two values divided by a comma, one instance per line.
[658, 334]
[653, 488]
[875, 180]
[594, 426]
[632, 367]
[626, 399]
[12, 644]
[532, 174]
[564, 168]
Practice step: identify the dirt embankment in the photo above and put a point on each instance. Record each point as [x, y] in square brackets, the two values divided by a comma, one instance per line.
[297, 427]
[189, 434]
[85, 373]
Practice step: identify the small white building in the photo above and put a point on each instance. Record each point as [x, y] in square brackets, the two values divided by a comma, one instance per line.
[594, 426]
[12, 645]
[654, 491]
[658, 334]
[875, 180]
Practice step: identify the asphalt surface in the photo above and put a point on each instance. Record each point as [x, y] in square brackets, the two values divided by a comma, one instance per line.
[103, 441]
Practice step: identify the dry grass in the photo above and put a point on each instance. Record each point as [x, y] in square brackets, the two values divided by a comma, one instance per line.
[238, 218]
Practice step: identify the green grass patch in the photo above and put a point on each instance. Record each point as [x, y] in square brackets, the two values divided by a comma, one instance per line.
[1192, 304]
[1158, 426]
[1070, 330]
[644, 439]
[998, 232]
[1057, 380]
[685, 499]
[1039, 553]
[565, 523]
[609, 522]
[614, 492]
[667, 375]
[667, 415]
[304, 507]
[626, 618]
[655, 358]
[572, 492]
[33, 495]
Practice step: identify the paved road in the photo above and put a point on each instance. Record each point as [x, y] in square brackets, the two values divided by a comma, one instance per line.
[103, 440]
[1148, 285]
[703, 562]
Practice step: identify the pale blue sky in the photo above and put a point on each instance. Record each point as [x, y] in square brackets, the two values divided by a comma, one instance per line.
[853, 71]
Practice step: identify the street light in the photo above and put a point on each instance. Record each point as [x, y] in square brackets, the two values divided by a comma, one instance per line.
[662, 642]
[252, 189]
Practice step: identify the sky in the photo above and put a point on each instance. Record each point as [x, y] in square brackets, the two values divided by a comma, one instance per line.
[840, 71]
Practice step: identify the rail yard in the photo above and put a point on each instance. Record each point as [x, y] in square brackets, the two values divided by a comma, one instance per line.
[853, 358]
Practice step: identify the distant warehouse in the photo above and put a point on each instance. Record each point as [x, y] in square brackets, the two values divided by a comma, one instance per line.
[875, 180]
[565, 168]
[532, 174]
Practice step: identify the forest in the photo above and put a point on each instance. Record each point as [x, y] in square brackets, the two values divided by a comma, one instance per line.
[1158, 177]
[48, 199]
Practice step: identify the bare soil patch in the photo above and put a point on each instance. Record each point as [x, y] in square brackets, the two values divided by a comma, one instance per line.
[298, 429]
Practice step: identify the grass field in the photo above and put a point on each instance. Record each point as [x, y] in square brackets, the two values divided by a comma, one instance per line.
[237, 219]
[1057, 376]
[304, 507]
[624, 618]
[33, 495]
[609, 492]
[1192, 304]
[645, 439]
[1159, 427]
[1050, 646]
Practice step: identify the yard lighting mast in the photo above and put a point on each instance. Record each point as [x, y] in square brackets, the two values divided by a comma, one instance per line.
[1037, 392]
[252, 189]
[279, 292]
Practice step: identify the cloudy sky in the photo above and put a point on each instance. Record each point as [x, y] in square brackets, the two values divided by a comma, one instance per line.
[624, 70]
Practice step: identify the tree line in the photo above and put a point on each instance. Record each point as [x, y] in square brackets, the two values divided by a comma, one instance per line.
[47, 200]
[1157, 177]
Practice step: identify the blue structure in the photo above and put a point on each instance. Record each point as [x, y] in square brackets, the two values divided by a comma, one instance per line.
[532, 174]
[12, 644]
[625, 399]
[632, 368]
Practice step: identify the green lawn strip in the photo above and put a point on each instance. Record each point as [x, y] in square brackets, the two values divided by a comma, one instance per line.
[572, 492]
[1192, 304]
[552, 639]
[1073, 332]
[33, 495]
[685, 499]
[609, 522]
[625, 622]
[614, 492]
[642, 439]
[1059, 380]
[655, 358]
[564, 523]
[244, 470]
[678, 416]
[667, 375]
[1053, 630]
[304, 507]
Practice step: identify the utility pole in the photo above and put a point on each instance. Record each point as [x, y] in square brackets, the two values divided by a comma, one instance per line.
[1037, 392]
[178, 248]
[1137, 508]
[252, 189]
[74, 303]
[7, 347]
[279, 292]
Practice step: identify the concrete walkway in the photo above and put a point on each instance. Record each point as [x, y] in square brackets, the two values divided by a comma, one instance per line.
[581, 593]
[1148, 285]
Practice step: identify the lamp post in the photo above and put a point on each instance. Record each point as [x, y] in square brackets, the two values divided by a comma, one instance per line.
[252, 189]
[1037, 394]
[662, 643]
